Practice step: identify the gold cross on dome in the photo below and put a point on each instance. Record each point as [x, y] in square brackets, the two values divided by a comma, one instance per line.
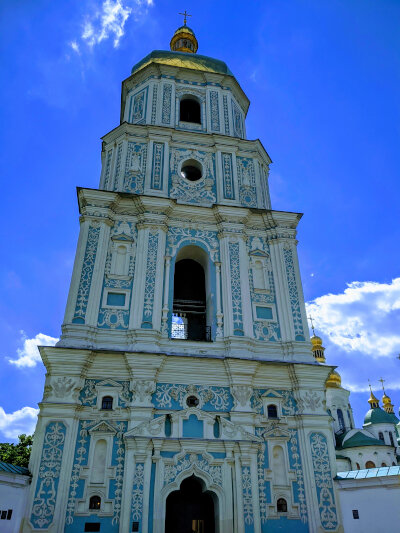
[382, 381]
[185, 15]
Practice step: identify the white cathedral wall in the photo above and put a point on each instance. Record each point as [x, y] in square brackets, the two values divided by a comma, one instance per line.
[376, 500]
[14, 489]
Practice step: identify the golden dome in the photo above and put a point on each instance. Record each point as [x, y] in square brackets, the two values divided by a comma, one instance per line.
[373, 401]
[334, 380]
[387, 403]
[317, 349]
[315, 340]
[184, 40]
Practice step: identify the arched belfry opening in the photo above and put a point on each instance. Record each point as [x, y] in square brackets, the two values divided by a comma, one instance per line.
[192, 296]
[191, 509]
[190, 110]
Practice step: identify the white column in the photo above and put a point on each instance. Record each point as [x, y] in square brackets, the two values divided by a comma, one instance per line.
[135, 318]
[281, 290]
[92, 311]
[220, 316]
[165, 309]
[76, 272]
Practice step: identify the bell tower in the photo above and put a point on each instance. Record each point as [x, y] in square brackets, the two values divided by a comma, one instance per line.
[185, 358]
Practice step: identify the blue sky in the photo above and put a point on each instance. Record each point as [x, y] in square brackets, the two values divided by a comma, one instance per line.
[323, 78]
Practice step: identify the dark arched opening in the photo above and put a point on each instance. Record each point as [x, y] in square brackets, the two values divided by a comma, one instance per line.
[190, 510]
[190, 110]
[189, 305]
[340, 420]
[107, 403]
[272, 411]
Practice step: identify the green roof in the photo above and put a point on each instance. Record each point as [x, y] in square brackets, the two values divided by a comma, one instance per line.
[14, 469]
[359, 439]
[370, 472]
[379, 416]
[184, 60]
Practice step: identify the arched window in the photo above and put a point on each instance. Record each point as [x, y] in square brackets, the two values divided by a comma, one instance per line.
[381, 437]
[193, 300]
[168, 426]
[391, 439]
[369, 464]
[358, 466]
[107, 403]
[272, 411]
[190, 110]
[95, 503]
[383, 464]
[217, 428]
[281, 505]
[340, 419]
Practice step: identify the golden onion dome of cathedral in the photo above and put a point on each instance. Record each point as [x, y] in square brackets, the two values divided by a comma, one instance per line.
[184, 40]
[334, 380]
[316, 341]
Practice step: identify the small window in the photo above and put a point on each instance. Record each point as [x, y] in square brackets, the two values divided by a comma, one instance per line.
[191, 170]
[340, 419]
[272, 411]
[264, 313]
[391, 438]
[358, 466]
[135, 526]
[95, 502]
[92, 526]
[383, 464]
[217, 428]
[192, 401]
[381, 437]
[116, 299]
[107, 403]
[9, 514]
[190, 110]
[168, 426]
[356, 516]
[281, 505]
[3, 515]
[370, 464]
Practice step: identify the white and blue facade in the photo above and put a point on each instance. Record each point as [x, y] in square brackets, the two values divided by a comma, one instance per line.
[243, 411]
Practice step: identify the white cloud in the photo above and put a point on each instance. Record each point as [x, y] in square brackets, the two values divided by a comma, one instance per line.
[29, 355]
[75, 46]
[18, 422]
[109, 21]
[364, 318]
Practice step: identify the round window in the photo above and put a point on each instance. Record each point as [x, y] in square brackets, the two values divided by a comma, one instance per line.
[191, 170]
[192, 401]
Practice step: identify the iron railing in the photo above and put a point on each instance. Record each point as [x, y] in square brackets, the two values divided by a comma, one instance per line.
[191, 332]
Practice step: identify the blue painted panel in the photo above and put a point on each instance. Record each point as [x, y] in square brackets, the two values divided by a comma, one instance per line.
[283, 525]
[264, 312]
[49, 472]
[85, 281]
[323, 481]
[193, 427]
[172, 396]
[168, 454]
[116, 299]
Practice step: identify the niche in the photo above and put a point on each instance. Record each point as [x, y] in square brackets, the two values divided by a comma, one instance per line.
[279, 466]
[99, 461]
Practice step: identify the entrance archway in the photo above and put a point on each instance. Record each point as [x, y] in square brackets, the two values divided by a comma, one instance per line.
[190, 510]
